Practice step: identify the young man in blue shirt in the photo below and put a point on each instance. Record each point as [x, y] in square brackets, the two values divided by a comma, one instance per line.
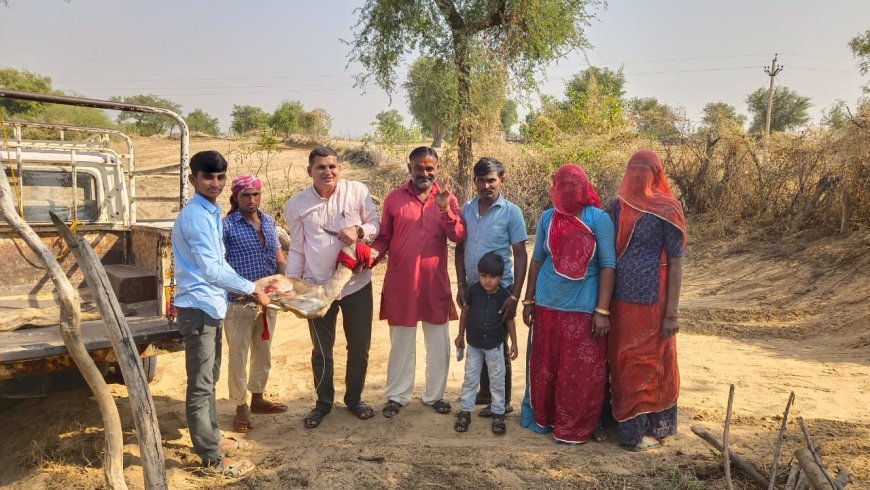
[492, 224]
[203, 278]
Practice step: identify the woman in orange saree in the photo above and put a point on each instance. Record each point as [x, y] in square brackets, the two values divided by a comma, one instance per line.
[642, 349]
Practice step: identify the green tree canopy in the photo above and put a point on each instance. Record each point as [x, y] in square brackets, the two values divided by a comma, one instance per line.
[142, 123]
[653, 119]
[860, 46]
[13, 79]
[608, 82]
[508, 115]
[288, 118]
[789, 111]
[719, 117]
[199, 120]
[523, 36]
[390, 129]
[431, 89]
[247, 118]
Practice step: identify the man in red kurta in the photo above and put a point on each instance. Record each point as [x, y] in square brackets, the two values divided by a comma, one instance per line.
[418, 218]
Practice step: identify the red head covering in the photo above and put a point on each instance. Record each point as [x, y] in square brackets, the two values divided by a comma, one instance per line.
[241, 183]
[571, 190]
[571, 242]
[644, 189]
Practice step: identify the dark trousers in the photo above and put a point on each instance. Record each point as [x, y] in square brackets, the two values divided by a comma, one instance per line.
[202, 360]
[484, 397]
[356, 313]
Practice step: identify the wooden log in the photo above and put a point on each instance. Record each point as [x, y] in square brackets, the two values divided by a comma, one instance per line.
[779, 442]
[70, 330]
[746, 467]
[812, 470]
[811, 448]
[726, 460]
[144, 413]
[803, 482]
[793, 474]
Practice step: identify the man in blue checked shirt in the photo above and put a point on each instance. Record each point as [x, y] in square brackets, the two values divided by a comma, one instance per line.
[203, 278]
[254, 252]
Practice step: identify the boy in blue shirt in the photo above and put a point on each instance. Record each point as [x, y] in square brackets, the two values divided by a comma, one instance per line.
[483, 327]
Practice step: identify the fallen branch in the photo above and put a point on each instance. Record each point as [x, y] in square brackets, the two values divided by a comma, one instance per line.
[793, 475]
[779, 442]
[814, 454]
[746, 467]
[812, 470]
[726, 460]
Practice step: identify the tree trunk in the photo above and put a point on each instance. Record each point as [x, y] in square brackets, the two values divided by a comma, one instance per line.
[144, 413]
[70, 329]
[437, 136]
[462, 55]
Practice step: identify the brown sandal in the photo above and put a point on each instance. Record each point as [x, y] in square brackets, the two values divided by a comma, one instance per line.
[462, 421]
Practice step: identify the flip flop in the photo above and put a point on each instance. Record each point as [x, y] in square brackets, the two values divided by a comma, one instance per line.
[270, 409]
[441, 406]
[314, 418]
[362, 410]
[644, 445]
[229, 444]
[242, 426]
[391, 409]
[231, 468]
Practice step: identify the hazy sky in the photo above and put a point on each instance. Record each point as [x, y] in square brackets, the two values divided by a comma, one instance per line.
[212, 54]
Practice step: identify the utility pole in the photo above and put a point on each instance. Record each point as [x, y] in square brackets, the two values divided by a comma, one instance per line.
[772, 71]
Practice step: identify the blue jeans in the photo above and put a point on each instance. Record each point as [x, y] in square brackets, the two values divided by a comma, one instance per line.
[473, 366]
[202, 356]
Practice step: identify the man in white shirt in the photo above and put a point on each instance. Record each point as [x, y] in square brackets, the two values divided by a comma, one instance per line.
[345, 208]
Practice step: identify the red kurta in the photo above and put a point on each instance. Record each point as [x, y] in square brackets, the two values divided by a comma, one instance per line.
[415, 234]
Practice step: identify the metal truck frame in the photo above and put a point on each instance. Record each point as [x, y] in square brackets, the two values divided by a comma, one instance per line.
[93, 188]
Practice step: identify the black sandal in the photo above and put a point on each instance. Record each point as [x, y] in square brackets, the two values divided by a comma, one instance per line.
[314, 418]
[462, 421]
[362, 410]
[498, 425]
[441, 406]
[391, 409]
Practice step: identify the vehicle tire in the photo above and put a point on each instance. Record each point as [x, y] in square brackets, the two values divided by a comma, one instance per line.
[149, 364]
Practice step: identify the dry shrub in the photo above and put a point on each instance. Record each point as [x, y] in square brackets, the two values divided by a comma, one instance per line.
[365, 155]
[818, 179]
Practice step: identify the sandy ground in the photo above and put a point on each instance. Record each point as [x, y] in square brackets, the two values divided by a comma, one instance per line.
[769, 318]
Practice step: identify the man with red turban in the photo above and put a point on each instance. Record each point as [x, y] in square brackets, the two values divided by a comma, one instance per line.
[253, 251]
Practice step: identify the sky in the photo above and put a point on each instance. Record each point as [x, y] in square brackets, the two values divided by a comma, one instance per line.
[213, 54]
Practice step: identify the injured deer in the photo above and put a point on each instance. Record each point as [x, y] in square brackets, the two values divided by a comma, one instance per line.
[307, 300]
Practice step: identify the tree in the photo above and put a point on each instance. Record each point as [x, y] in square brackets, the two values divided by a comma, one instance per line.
[523, 36]
[836, 117]
[199, 120]
[318, 122]
[653, 119]
[609, 83]
[431, 89]
[145, 124]
[860, 46]
[76, 116]
[508, 115]
[593, 108]
[720, 117]
[789, 109]
[27, 81]
[288, 118]
[247, 118]
[389, 128]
